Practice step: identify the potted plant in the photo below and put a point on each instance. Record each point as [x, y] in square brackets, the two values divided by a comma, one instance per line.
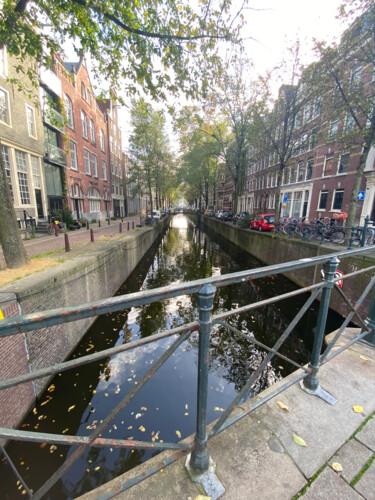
[83, 221]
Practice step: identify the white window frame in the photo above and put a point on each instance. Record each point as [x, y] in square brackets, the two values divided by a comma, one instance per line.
[69, 111]
[102, 140]
[343, 153]
[300, 169]
[94, 163]
[23, 177]
[341, 190]
[86, 154]
[7, 108]
[307, 169]
[326, 160]
[31, 125]
[104, 168]
[85, 132]
[92, 131]
[320, 197]
[35, 168]
[3, 62]
[333, 128]
[73, 154]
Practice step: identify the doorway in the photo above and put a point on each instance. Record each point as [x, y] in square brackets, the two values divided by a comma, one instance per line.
[39, 203]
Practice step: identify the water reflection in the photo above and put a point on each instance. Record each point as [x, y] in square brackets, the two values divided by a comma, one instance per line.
[76, 402]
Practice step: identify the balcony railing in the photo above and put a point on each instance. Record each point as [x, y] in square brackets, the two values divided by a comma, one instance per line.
[55, 154]
[54, 118]
[205, 290]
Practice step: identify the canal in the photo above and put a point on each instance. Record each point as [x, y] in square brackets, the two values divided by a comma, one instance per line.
[76, 401]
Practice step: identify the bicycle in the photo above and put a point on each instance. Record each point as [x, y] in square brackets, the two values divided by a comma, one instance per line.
[327, 230]
[54, 226]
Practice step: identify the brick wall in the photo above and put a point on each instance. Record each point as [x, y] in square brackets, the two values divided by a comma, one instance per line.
[13, 362]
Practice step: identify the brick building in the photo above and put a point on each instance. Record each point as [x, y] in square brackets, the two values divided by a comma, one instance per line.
[22, 145]
[88, 178]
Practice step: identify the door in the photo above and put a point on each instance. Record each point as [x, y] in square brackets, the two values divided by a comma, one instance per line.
[39, 203]
[76, 204]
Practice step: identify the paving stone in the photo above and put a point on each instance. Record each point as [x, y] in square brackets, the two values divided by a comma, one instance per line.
[367, 434]
[352, 456]
[330, 485]
[366, 485]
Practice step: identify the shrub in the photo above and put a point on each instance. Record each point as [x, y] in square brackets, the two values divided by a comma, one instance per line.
[245, 221]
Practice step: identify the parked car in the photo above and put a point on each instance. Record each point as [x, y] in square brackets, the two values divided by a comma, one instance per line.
[219, 214]
[241, 215]
[263, 222]
[209, 213]
[156, 214]
[227, 216]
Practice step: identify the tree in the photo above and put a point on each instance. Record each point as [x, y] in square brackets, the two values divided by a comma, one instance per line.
[14, 252]
[347, 72]
[150, 157]
[159, 45]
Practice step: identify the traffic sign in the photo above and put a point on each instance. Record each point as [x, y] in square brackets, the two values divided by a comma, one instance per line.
[361, 195]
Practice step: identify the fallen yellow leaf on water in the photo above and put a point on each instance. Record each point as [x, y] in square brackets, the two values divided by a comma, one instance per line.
[218, 409]
[138, 415]
[71, 407]
[282, 406]
[202, 497]
[298, 440]
[178, 434]
[363, 357]
[97, 468]
[51, 388]
[141, 428]
[337, 467]
[42, 445]
[358, 409]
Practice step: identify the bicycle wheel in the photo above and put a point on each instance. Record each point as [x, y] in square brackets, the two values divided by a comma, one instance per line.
[338, 236]
[50, 230]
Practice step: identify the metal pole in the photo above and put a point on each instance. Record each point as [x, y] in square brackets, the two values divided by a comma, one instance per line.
[128, 226]
[109, 221]
[199, 456]
[100, 223]
[311, 382]
[132, 224]
[370, 320]
[66, 240]
[88, 225]
[120, 227]
[350, 247]
[91, 234]
[364, 234]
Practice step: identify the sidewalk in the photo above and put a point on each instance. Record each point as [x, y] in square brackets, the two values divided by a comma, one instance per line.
[258, 458]
[46, 243]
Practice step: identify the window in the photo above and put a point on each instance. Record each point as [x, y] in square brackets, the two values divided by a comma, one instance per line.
[94, 161]
[349, 123]
[83, 91]
[323, 200]
[5, 153]
[69, 111]
[92, 131]
[94, 200]
[30, 117]
[300, 172]
[3, 62]
[343, 163]
[313, 139]
[306, 113]
[328, 166]
[22, 177]
[88, 96]
[298, 120]
[303, 143]
[317, 107]
[35, 167]
[292, 174]
[355, 75]
[333, 128]
[87, 161]
[102, 144]
[4, 107]
[73, 155]
[309, 169]
[337, 199]
[104, 167]
[285, 176]
[111, 144]
[84, 125]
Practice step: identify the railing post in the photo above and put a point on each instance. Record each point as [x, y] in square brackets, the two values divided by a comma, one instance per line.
[66, 241]
[350, 247]
[199, 456]
[370, 320]
[364, 234]
[311, 382]
[91, 235]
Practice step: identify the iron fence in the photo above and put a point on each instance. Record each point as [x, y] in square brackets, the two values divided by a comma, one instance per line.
[205, 289]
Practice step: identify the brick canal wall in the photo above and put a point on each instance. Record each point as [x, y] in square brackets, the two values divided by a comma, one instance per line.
[87, 278]
[274, 249]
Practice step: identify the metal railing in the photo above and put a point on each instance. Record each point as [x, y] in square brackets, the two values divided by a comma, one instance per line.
[205, 288]
[54, 118]
[55, 154]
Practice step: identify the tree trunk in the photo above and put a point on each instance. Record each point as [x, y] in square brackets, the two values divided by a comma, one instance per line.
[14, 252]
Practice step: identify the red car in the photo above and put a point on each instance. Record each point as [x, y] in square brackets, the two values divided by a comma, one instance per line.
[263, 222]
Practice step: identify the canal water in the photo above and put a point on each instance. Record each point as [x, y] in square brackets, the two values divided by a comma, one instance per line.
[165, 409]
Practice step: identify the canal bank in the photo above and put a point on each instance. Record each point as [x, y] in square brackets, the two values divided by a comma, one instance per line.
[92, 276]
[272, 249]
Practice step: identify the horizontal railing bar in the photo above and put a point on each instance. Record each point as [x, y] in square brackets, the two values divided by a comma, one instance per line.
[259, 402]
[259, 344]
[38, 437]
[89, 358]
[67, 314]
